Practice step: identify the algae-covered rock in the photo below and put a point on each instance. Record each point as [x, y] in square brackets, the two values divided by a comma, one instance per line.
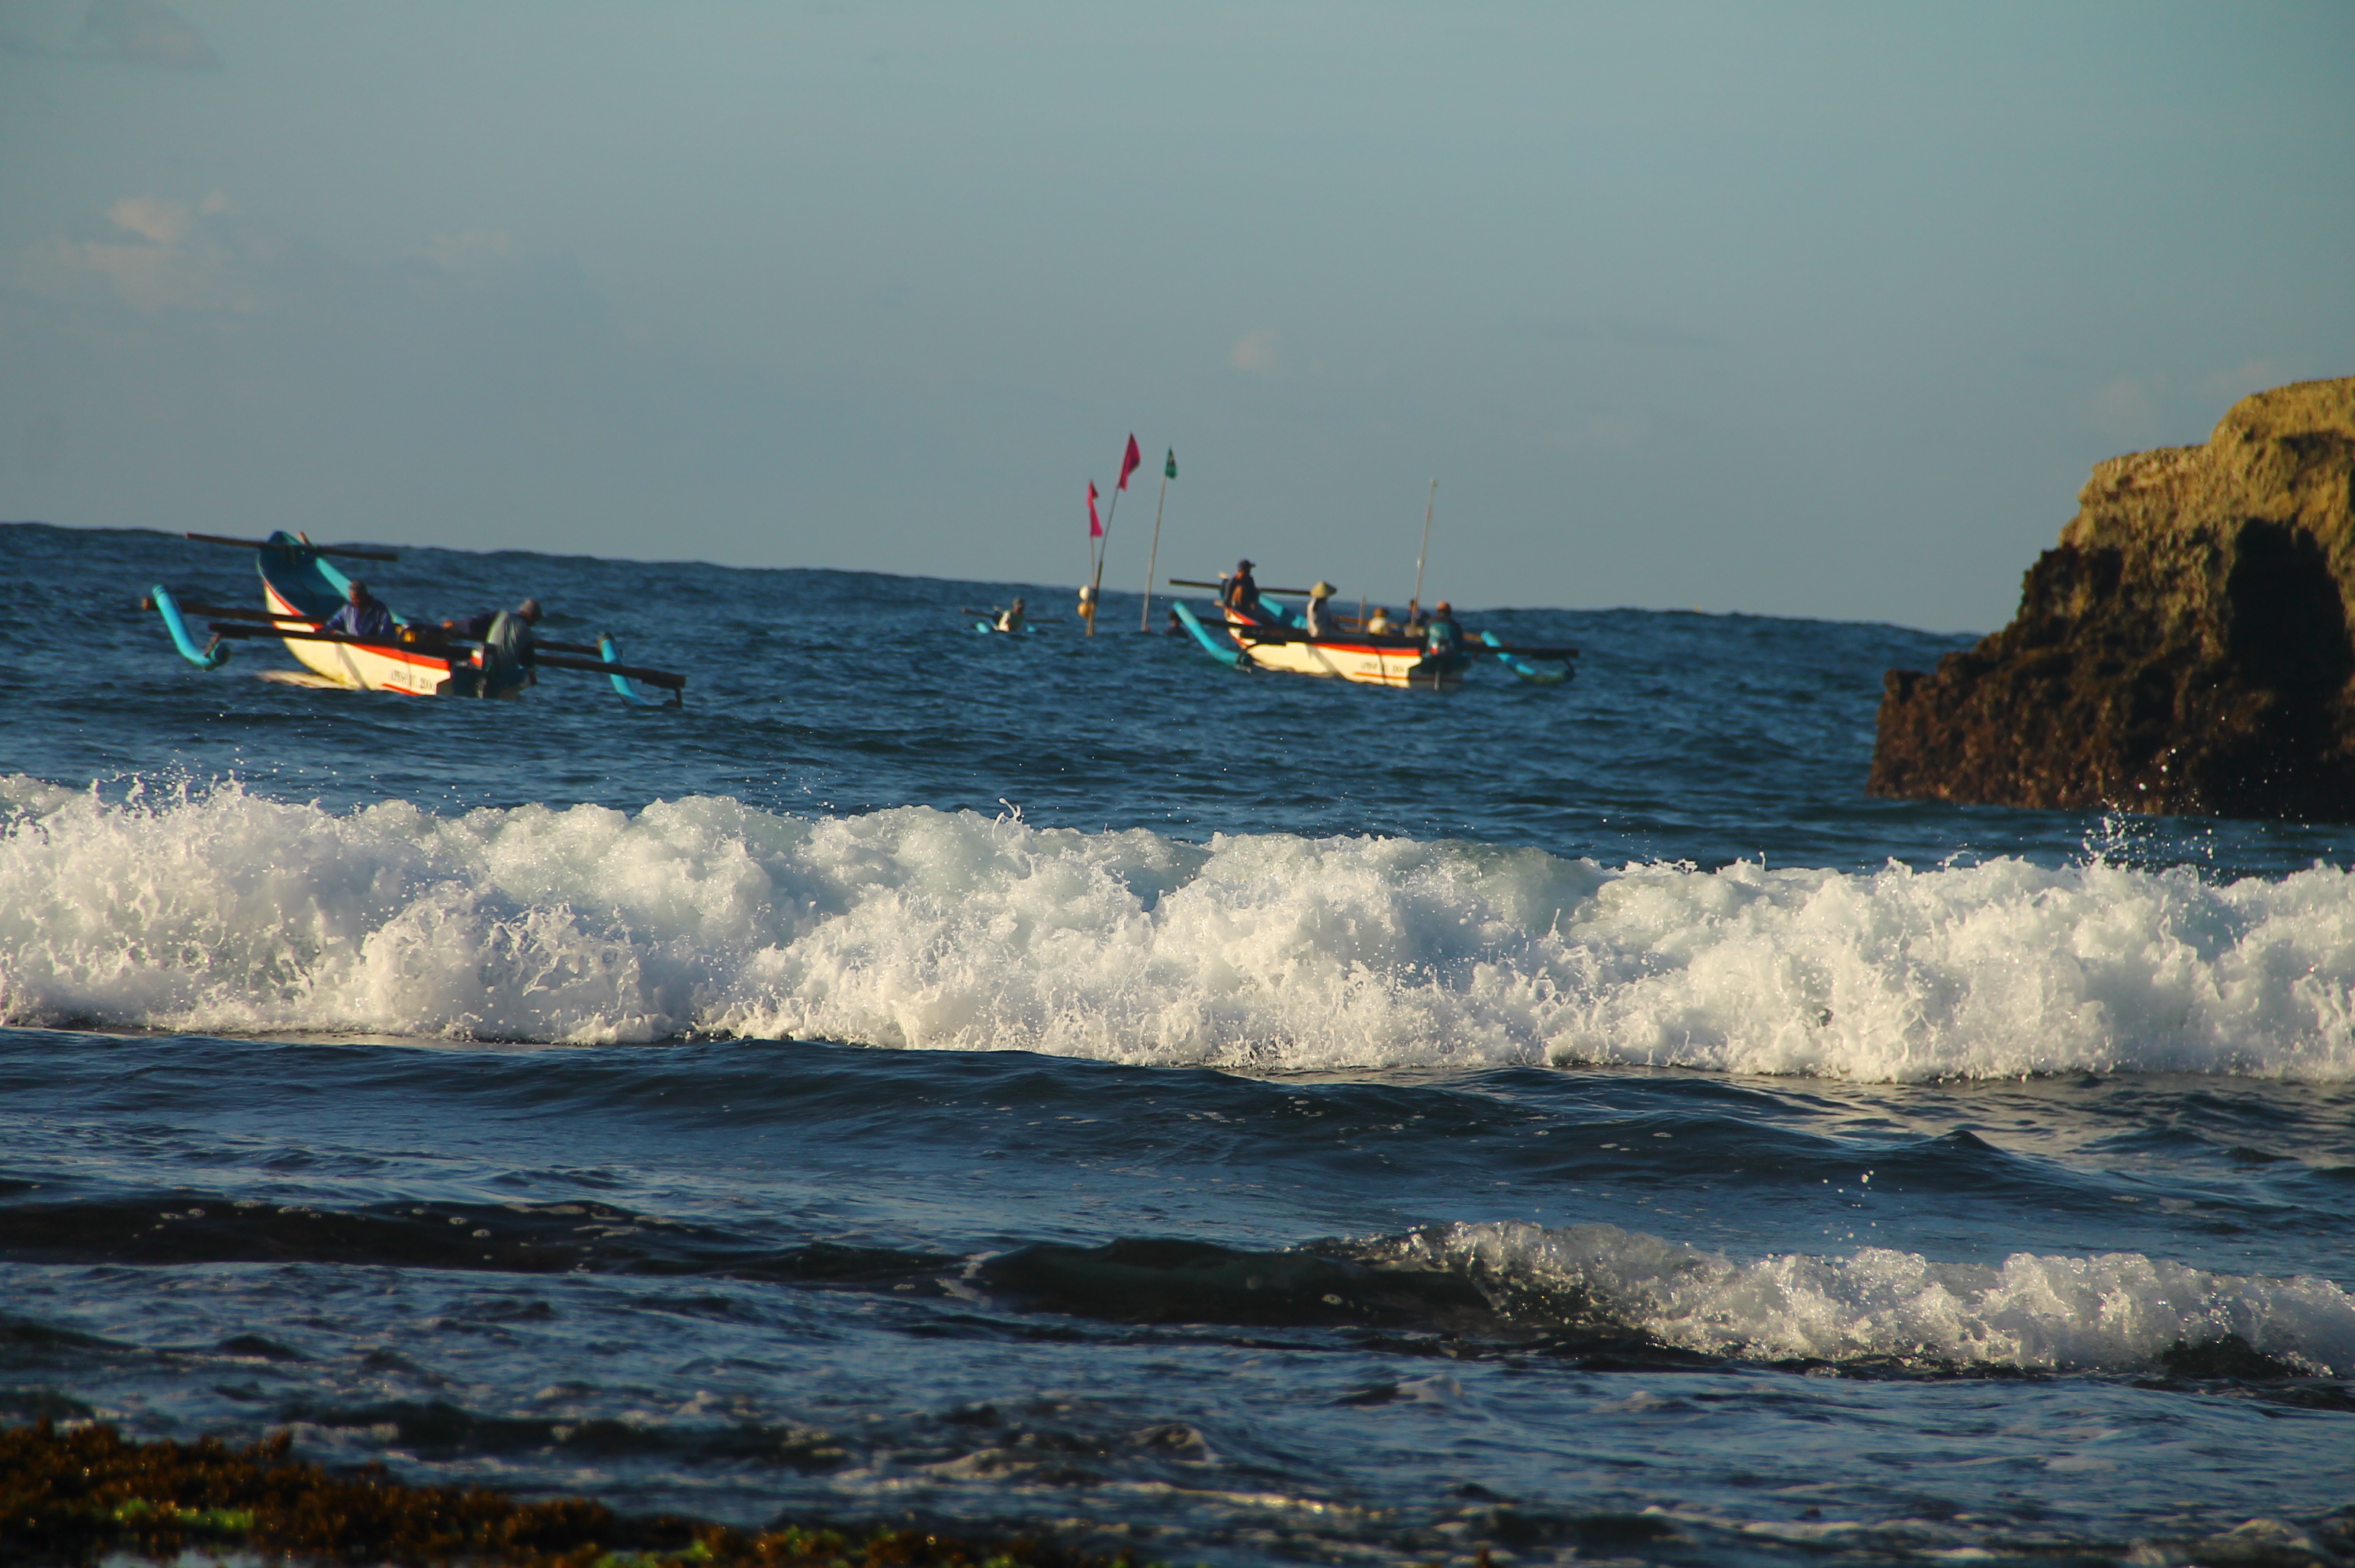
[2184, 648]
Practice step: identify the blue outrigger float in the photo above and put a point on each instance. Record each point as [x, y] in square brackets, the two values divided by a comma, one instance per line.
[301, 591]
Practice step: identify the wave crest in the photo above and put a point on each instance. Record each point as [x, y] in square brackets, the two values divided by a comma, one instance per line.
[220, 911]
[2111, 1311]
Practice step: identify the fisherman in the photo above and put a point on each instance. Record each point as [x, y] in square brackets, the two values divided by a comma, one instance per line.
[1443, 637]
[474, 628]
[1241, 590]
[1012, 618]
[1380, 621]
[510, 652]
[1322, 622]
[363, 615]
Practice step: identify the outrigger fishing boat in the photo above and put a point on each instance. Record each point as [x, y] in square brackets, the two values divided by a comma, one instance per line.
[301, 591]
[1260, 636]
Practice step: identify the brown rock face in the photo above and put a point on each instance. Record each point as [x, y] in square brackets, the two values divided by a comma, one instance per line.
[2185, 648]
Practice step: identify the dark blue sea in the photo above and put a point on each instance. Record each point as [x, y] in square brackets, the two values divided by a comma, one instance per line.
[1054, 1083]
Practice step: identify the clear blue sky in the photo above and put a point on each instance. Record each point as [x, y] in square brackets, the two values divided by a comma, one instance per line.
[1817, 310]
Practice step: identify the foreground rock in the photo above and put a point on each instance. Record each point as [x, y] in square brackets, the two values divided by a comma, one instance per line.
[88, 1495]
[2185, 648]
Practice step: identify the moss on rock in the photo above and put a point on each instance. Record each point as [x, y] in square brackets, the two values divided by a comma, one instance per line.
[74, 1497]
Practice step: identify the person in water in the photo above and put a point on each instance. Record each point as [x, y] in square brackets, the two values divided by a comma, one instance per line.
[1242, 590]
[1012, 618]
[363, 615]
[1322, 621]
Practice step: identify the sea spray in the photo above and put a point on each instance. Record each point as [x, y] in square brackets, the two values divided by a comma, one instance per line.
[219, 910]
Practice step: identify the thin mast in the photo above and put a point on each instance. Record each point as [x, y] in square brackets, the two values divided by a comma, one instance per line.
[1144, 616]
[1416, 603]
[1093, 534]
[1095, 588]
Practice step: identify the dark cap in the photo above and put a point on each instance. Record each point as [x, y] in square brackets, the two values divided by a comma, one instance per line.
[1245, 565]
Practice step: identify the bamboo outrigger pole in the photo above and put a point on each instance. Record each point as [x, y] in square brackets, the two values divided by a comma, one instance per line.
[1416, 603]
[304, 547]
[1168, 472]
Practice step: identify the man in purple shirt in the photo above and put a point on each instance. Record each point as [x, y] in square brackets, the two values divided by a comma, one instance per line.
[363, 615]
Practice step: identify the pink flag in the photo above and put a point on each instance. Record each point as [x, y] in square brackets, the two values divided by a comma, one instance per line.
[1128, 464]
[1095, 525]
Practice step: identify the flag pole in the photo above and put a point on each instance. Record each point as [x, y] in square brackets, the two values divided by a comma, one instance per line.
[1130, 461]
[1092, 532]
[1095, 584]
[1168, 472]
[1416, 603]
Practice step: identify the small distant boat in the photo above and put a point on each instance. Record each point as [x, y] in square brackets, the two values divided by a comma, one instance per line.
[995, 620]
[301, 591]
[1263, 636]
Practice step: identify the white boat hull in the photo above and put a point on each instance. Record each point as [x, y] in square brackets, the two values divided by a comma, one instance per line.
[1343, 657]
[359, 667]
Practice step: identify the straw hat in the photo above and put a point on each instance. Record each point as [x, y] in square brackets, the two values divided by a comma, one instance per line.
[1322, 590]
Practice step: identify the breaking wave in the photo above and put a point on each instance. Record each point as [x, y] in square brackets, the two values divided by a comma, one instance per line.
[2113, 1311]
[219, 911]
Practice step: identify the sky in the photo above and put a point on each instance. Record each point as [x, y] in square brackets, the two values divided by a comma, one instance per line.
[1817, 310]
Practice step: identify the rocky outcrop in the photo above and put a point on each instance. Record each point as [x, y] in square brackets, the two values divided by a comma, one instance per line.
[2185, 648]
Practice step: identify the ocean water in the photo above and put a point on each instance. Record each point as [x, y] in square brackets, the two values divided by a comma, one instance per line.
[1054, 1083]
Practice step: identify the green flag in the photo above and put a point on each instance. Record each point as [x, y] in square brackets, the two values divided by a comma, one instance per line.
[1169, 469]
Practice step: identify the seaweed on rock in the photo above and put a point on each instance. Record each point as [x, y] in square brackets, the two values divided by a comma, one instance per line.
[81, 1495]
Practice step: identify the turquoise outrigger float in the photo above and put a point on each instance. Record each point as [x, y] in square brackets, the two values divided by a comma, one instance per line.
[303, 591]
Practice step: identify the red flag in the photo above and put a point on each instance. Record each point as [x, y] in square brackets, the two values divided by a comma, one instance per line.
[1095, 525]
[1128, 464]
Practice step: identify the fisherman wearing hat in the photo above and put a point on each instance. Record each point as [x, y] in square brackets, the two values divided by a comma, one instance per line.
[1013, 618]
[1443, 637]
[1242, 588]
[1321, 621]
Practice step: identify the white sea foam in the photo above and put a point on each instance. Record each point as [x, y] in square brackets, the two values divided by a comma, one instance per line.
[2115, 1310]
[226, 912]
